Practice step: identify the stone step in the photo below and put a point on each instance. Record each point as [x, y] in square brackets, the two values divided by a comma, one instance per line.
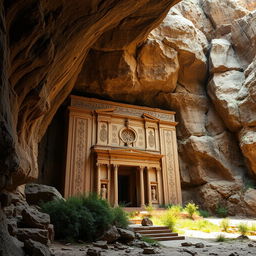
[167, 238]
[159, 234]
[158, 231]
[136, 229]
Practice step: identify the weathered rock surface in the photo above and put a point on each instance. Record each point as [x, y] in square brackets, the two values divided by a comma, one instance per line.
[38, 193]
[126, 235]
[34, 248]
[222, 57]
[111, 235]
[223, 90]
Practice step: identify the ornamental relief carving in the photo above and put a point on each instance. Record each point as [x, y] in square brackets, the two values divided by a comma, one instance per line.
[151, 139]
[128, 136]
[103, 133]
[169, 160]
[81, 141]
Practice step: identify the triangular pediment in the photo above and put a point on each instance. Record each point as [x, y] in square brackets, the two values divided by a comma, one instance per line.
[148, 116]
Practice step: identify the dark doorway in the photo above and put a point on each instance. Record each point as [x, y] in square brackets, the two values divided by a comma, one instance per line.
[127, 195]
[123, 190]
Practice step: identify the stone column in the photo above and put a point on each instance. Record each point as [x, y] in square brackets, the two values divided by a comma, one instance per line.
[148, 187]
[142, 190]
[98, 185]
[116, 185]
[159, 190]
[109, 182]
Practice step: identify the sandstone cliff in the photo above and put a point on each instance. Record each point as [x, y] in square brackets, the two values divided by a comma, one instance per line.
[199, 62]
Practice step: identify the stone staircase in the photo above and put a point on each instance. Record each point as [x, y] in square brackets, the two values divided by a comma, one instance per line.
[158, 233]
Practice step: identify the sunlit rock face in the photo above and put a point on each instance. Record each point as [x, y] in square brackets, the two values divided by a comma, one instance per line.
[43, 46]
[198, 62]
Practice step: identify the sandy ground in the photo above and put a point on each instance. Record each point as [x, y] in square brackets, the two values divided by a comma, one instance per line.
[232, 247]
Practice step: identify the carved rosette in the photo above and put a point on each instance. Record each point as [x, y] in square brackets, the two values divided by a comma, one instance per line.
[128, 135]
[80, 155]
[169, 163]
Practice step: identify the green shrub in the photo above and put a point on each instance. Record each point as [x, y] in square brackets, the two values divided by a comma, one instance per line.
[220, 238]
[175, 210]
[149, 240]
[221, 211]
[169, 219]
[191, 209]
[120, 217]
[243, 228]
[71, 220]
[224, 224]
[83, 218]
[204, 213]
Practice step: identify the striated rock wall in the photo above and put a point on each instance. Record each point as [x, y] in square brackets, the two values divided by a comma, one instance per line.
[198, 62]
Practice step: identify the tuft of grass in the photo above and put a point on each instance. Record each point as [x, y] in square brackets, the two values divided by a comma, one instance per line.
[204, 213]
[191, 209]
[221, 211]
[201, 225]
[221, 238]
[224, 224]
[243, 228]
[253, 227]
[150, 240]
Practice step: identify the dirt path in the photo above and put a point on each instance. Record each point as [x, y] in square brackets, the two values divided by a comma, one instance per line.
[211, 248]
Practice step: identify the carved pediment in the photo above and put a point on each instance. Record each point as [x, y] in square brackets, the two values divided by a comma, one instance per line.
[148, 116]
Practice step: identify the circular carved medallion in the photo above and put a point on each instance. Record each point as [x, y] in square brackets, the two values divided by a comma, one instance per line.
[128, 136]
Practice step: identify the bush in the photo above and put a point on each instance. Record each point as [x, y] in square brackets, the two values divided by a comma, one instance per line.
[221, 211]
[224, 224]
[243, 228]
[120, 217]
[81, 218]
[175, 210]
[204, 213]
[169, 219]
[191, 209]
[71, 220]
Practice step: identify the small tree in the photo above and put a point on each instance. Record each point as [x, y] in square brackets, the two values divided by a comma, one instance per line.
[225, 223]
[191, 209]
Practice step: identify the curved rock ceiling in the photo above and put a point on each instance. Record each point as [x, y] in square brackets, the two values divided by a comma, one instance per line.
[43, 47]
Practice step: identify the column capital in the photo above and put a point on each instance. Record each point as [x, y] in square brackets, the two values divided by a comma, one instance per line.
[116, 166]
[98, 164]
[141, 167]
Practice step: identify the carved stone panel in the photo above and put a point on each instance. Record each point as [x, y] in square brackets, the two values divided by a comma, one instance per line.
[80, 154]
[169, 165]
[103, 133]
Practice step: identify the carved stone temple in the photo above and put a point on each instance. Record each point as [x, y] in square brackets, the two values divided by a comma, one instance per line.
[125, 153]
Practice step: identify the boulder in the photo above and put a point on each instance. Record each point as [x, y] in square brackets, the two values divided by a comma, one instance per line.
[101, 244]
[222, 57]
[146, 222]
[126, 235]
[223, 11]
[223, 90]
[9, 246]
[38, 235]
[38, 193]
[247, 138]
[33, 248]
[32, 218]
[93, 252]
[149, 250]
[111, 235]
